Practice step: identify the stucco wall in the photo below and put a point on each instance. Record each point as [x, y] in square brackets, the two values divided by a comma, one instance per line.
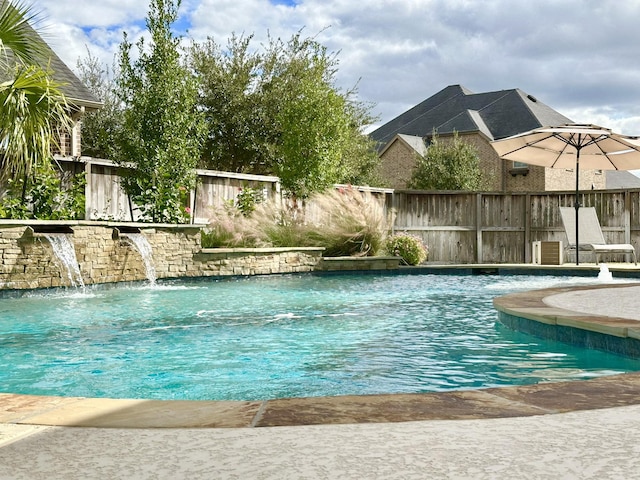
[559, 179]
[539, 179]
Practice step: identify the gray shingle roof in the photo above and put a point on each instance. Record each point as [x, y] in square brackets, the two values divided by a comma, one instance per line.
[619, 180]
[496, 114]
[75, 91]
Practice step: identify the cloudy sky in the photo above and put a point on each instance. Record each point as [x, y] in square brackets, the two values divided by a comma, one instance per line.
[578, 56]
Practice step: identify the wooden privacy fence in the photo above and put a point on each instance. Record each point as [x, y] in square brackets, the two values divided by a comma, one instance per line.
[461, 227]
[458, 227]
[106, 199]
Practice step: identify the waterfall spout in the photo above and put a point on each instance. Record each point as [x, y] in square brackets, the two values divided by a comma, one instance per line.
[63, 249]
[142, 245]
[604, 275]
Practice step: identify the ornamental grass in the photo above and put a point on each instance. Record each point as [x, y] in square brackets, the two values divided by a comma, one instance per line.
[345, 222]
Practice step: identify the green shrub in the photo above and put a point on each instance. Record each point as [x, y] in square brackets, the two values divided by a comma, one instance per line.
[409, 247]
[164, 204]
[247, 199]
[44, 195]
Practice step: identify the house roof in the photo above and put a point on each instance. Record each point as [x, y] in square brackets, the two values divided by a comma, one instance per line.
[76, 93]
[620, 179]
[415, 143]
[496, 114]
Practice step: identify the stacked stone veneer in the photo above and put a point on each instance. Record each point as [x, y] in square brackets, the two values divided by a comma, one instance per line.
[256, 261]
[104, 255]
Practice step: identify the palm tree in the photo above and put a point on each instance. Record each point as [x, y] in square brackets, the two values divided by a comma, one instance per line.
[32, 107]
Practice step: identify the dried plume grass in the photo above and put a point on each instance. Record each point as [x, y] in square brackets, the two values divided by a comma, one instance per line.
[346, 222]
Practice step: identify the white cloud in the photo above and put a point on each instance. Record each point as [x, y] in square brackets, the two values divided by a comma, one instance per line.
[607, 117]
[94, 14]
[577, 56]
[220, 18]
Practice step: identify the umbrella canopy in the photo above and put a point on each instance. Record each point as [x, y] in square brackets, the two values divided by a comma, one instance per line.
[596, 148]
[572, 146]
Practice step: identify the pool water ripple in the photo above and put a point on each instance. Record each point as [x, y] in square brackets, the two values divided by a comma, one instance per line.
[281, 336]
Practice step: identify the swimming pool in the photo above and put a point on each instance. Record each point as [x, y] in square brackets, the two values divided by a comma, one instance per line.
[281, 336]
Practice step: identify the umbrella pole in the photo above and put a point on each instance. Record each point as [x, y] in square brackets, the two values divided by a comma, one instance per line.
[577, 202]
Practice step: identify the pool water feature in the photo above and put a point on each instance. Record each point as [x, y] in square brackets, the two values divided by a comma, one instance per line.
[65, 253]
[281, 336]
[142, 245]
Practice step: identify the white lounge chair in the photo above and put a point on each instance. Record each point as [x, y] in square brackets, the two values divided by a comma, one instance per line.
[591, 237]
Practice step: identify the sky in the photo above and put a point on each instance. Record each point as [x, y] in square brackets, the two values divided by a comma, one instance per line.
[579, 57]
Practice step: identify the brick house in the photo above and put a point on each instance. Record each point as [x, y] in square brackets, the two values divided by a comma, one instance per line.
[479, 118]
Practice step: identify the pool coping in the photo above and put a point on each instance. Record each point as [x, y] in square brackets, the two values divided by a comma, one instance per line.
[500, 402]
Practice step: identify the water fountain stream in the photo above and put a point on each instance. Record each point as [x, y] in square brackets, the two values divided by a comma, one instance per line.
[140, 242]
[604, 275]
[62, 245]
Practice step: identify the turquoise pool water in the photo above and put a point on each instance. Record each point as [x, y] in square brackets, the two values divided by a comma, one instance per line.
[281, 336]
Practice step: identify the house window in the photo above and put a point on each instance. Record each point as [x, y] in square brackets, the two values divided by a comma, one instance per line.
[64, 145]
[519, 168]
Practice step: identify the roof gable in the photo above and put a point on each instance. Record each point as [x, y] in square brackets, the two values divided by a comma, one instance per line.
[496, 114]
[416, 143]
[412, 142]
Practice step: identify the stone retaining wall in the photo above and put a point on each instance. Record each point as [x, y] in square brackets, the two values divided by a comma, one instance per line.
[104, 254]
[257, 261]
[359, 263]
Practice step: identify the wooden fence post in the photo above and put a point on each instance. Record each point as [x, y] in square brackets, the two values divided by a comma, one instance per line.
[88, 192]
[527, 228]
[627, 217]
[479, 254]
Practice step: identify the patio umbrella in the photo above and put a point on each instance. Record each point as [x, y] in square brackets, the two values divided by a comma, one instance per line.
[572, 146]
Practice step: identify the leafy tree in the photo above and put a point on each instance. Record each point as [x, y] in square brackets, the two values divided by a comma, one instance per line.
[32, 106]
[100, 127]
[308, 113]
[279, 112]
[162, 130]
[230, 97]
[360, 160]
[448, 165]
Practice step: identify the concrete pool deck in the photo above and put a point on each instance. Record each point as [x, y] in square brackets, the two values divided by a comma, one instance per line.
[588, 429]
